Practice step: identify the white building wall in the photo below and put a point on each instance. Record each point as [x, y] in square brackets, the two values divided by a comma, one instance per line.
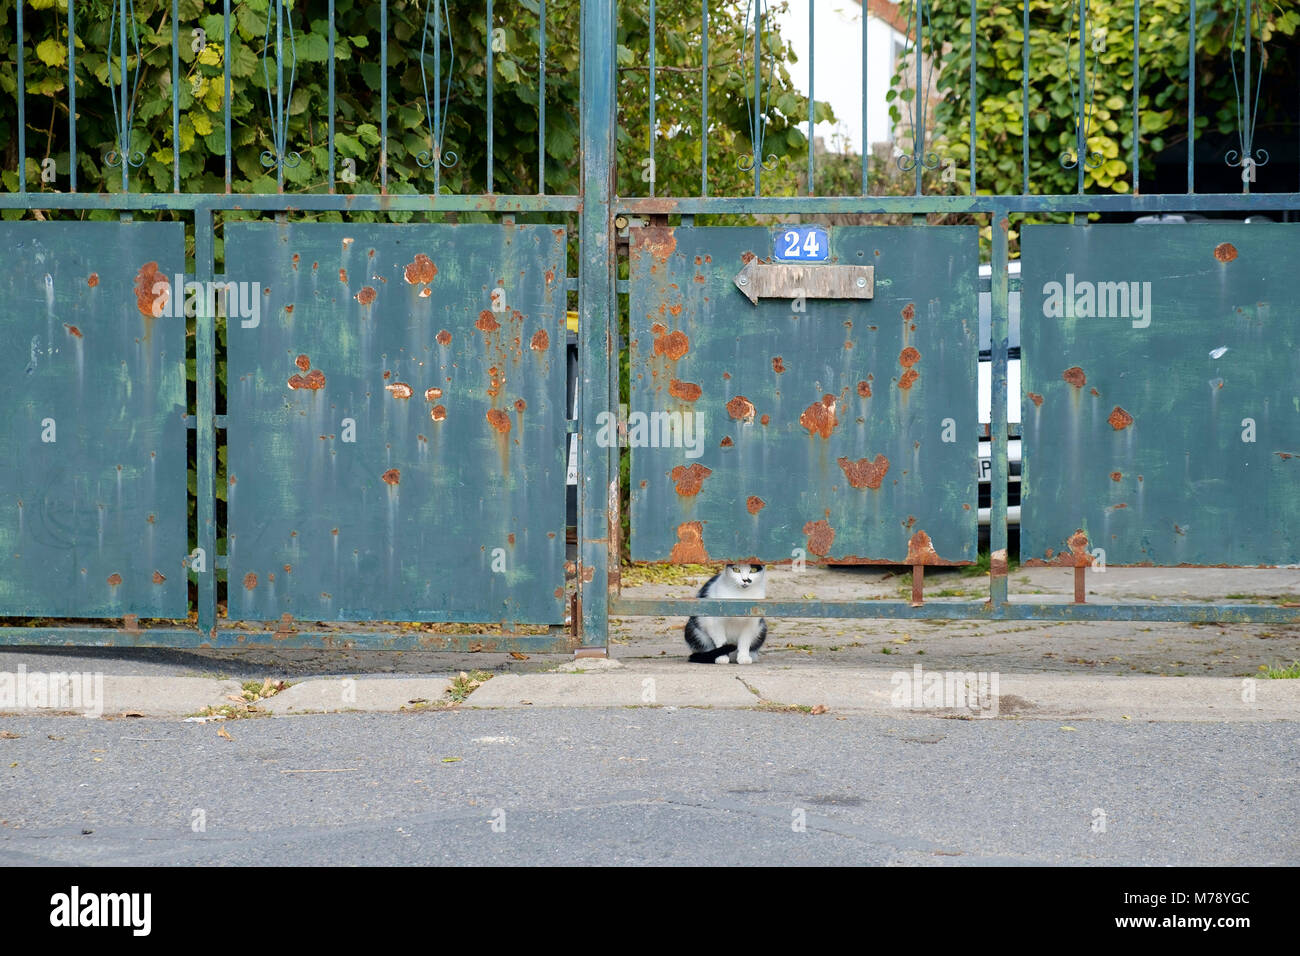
[837, 75]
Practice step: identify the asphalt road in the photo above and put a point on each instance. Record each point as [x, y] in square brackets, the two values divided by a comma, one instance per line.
[637, 786]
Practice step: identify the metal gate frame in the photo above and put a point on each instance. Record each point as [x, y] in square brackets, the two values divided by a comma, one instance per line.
[599, 209]
[999, 209]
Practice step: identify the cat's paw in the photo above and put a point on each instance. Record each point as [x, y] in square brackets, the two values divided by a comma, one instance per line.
[722, 659]
[744, 659]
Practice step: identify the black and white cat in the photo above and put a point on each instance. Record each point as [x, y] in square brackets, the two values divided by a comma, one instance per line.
[718, 640]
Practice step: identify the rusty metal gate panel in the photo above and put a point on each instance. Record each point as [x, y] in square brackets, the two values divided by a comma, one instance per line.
[92, 440]
[397, 423]
[839, 428]
[1161, 369]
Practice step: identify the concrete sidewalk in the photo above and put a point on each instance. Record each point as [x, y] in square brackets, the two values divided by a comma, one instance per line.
[902, 692]
[1057, 671]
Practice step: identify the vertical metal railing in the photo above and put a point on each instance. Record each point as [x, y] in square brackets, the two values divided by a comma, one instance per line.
[1137, 128]
[704, 97]
[651, 132]
[1024, 97]
[491, 77]
[72, 97]
[228, 91]
[22, 105]
[541, 98]
[1191, 99]
[866, 134]
[176, 78]
[812, 120]
[383, 98]
[973, 97]
[331, 111]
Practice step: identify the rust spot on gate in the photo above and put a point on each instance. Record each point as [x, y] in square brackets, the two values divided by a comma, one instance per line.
[152, 291]
[686, 391]
[820, 535]
[421, 270]
[438, 413]
[400, 390]
[159, 577]
[864, 389]
[689, 548]
[907, 378]
[314, 380]
[487, 322]
[819, 417]
[726, 442]
[764, 419]
[520, 405]
[908, 357]
[92, 280]
[443, 337]
[250, 581]
[690, 478]
[864, 473]
[541, 341]
[73, 331]
[432, 394]
[1036, 399]
[998, 563]
[1225, 252]
[499, 420]
[366, 295]
[778, 365]
[114, 579]
[1074, 375]
[920, 550]
[343, 276]
[1076, 557]
[303, 362]
[741, 409]
[659, 241]
[1119, 419]
[674, 344]
[754, 504]
[392, 476]
[1116, 476]
[909, 312]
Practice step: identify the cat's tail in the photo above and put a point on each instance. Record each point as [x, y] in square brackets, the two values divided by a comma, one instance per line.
[711, 656]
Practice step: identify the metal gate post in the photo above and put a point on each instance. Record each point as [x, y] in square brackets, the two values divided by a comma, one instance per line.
[205, 392]
[597, 332]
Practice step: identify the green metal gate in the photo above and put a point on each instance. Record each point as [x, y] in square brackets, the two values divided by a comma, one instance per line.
[377, 376]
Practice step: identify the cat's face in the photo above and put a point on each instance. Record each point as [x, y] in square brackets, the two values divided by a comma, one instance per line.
[745, 575]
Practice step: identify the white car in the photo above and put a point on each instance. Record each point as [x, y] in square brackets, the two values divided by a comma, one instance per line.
[986, 395]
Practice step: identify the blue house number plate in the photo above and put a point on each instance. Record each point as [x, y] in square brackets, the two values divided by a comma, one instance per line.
[801, 244]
